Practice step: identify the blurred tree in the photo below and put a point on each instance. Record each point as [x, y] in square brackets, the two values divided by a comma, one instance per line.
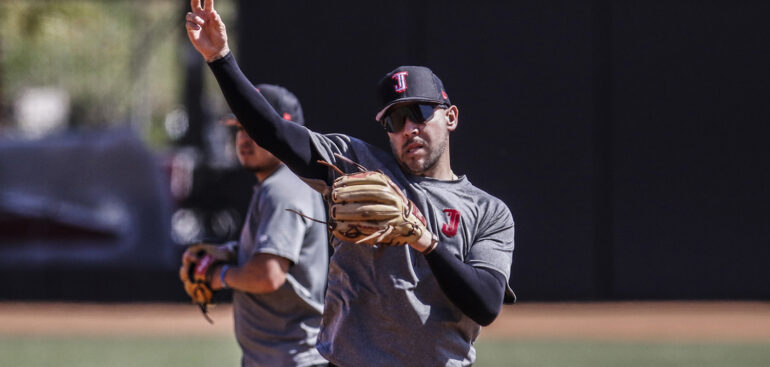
[117, 60]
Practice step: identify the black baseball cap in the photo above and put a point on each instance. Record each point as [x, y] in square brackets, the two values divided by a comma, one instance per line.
[410, 84]
[283, 101]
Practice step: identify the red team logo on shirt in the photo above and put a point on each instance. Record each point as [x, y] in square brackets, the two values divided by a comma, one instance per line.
[400, 79]
[454, 220]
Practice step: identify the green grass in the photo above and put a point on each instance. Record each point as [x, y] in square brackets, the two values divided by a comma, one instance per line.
[118, 352]
[624, 354]
[221, 351]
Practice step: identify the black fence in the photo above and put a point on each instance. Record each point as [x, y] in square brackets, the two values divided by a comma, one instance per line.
[629, 139]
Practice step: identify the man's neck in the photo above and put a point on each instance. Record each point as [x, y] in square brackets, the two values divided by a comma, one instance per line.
[441, 171]
[264, 174]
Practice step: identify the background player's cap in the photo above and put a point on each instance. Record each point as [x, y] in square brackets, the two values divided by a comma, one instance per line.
[410, 84]
[283, 101]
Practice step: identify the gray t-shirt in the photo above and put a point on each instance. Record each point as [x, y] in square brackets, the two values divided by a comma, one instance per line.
[383, 306]
[280, 328]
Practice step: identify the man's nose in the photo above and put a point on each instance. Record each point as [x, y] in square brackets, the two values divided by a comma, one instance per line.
[410, 127]
[242, 139]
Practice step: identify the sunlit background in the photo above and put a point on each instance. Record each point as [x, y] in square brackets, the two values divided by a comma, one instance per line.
[103, 162]
[629, 139]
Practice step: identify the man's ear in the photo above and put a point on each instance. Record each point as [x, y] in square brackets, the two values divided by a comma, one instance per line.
[452, 117]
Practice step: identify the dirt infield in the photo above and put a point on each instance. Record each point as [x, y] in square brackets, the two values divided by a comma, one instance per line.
[654, 321]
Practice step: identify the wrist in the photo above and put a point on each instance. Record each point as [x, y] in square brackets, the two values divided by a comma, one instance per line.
[427, 242]
[223, 275]
[433, 244]
[218, 55]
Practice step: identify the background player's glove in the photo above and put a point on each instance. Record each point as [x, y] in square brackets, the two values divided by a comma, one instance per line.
[195, 272]
[367, 207]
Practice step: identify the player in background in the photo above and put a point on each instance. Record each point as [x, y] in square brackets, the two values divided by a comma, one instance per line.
[282, 258]
[416, 305]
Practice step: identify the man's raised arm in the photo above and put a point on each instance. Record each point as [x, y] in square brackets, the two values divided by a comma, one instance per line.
[291, 143]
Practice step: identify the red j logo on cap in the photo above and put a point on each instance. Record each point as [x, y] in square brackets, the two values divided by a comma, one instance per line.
[400, 79]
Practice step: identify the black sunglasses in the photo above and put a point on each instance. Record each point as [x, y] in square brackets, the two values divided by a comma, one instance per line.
[395, 120]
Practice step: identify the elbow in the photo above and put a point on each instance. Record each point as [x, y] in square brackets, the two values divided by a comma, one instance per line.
[274, 282]
[486, 316]
[489, 302]
[263, 274]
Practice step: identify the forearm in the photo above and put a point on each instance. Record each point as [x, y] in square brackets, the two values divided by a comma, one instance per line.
[263, 273]
[290, 142]
[243, 280]
[477, 292]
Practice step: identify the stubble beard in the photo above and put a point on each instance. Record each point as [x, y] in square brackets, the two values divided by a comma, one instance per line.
[250, 166]
[418, 167]
[255, 168]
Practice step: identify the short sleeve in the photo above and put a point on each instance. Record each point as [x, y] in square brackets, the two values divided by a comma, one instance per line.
[494, 243]
[279, 231]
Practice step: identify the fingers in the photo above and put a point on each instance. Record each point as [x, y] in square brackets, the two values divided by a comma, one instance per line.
[206, 30]
[189, 257]
[192, 26]
[216, 18]
[196, 5]
[193, 21]
[194, 18]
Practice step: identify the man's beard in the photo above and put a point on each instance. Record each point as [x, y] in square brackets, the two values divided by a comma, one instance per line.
[430, 161]
[252, 167]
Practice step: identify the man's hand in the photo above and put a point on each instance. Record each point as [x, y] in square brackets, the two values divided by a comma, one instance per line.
[206, 30]
[369, 208]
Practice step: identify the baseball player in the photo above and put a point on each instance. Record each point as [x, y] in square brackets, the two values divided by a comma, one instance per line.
[282, 258]
[413, 292]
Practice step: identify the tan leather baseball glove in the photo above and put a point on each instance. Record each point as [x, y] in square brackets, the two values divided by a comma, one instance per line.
[368, 208]
[195, 272]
